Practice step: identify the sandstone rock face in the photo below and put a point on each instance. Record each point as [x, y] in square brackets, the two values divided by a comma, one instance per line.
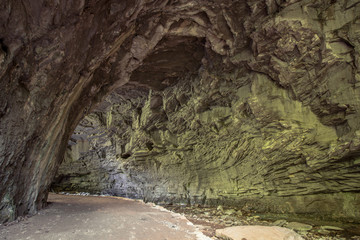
[252, 102]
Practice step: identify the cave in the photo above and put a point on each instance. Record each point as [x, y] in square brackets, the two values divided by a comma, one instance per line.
[238, 103]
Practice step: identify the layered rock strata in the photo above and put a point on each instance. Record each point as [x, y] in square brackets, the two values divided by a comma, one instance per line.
[251, 99]
[266, 135]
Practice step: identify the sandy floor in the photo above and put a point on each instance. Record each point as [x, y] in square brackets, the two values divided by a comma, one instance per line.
[87, 217]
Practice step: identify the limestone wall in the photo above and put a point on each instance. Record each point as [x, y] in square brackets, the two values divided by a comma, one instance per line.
[237, 138]
[277, 131]
[260, 100]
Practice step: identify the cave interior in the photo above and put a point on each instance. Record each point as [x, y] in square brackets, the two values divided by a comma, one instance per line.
[238, 103]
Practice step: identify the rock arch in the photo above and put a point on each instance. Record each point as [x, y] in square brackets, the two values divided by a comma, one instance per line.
[58, 60]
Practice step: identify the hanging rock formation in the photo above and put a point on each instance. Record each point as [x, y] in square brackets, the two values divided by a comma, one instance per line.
[253, 102]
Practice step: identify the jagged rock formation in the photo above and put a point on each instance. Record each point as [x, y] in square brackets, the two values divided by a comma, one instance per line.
[243, 142]
[253, 100]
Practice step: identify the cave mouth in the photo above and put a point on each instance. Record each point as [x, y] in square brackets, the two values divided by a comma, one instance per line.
[103, 135]
[240, 103]
[192, 126]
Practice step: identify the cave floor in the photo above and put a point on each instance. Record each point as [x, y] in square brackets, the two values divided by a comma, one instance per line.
[70, 217]
[211, 218]
[88, 217]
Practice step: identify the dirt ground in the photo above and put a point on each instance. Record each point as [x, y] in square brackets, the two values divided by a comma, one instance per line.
[89, 217]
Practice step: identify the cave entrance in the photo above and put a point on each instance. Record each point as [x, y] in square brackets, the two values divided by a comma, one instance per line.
[113, 147]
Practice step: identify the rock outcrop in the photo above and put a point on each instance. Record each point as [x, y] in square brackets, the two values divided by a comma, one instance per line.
[252, 102]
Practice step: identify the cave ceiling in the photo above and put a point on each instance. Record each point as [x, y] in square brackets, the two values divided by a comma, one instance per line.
[173, 58]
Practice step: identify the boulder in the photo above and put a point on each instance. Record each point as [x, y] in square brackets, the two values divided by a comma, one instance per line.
[257, 233]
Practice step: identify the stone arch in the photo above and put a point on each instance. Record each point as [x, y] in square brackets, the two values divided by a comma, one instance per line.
[62, 59]
[295, 63]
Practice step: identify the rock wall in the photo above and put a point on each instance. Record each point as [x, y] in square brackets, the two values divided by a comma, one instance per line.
[58, 59]
[270, 99]
[279, 133]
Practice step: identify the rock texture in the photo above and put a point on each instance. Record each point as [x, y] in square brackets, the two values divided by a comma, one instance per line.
[253, 102]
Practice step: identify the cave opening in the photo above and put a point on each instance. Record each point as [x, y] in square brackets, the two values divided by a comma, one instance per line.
[249, 104]
[121, 130]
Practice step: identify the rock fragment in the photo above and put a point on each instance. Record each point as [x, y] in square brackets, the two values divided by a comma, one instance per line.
[257, 233]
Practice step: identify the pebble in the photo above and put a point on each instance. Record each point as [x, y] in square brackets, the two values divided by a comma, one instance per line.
[207, 214]
[323, 232]
[230, 212]
[239, 213]
[299, 226]
[257, 232]
[228, 223]
[331, 228]
[280, 223]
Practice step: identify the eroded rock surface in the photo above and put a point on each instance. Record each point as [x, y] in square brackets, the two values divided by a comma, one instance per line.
[253, 102]
[279, 132]
[58, 59]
